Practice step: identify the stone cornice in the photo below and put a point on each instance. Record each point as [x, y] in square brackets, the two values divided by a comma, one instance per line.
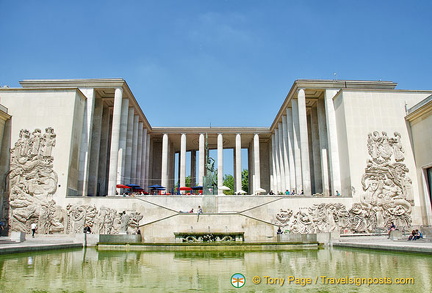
[211, 130]
[420, 109]
[89, 83]
[4, 116]
[321, 84]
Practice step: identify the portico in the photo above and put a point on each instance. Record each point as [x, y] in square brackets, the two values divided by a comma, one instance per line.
[172, 140]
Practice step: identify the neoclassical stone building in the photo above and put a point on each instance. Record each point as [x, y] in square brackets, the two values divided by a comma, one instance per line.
[354, 156]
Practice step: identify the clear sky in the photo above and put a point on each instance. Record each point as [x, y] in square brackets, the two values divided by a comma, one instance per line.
[228, 63]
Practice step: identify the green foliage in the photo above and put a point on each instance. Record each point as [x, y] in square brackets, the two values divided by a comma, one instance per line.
[245, 180]
[188, 181]
[228, 181]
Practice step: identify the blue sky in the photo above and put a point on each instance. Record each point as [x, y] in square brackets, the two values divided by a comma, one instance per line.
[228, 63]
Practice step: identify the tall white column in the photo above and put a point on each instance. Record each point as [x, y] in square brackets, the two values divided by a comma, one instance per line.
[103, 166]
[147, 162]
[257, 162]
[274, 176]
[193, 167]
[144, 159]
[296, 143]
[285, 152]
[3, 118]
[129, 146]
[183, 160]
[316, 152]
[123, 143]
[322, 129]
[87, 139]
[139, 154]
[201, 169]
[304, 144]
[281, 158]
[115, 138]
[220, 161]
[96, 147]
[164, 175]
[238, 163]
[134, 177]
[277, 161]
[332, 141]
[291, 148]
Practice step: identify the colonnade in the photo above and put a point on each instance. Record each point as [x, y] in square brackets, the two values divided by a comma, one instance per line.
[117, 134]
[305, 155]
[166, 161]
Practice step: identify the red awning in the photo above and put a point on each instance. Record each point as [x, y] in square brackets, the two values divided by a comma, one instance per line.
[185, 188]
[122, 186]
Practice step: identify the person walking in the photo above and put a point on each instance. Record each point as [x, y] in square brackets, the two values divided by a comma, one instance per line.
[33, 227]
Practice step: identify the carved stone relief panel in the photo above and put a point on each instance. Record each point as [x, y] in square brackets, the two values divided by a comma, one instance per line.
[387, 196]
[32, 184]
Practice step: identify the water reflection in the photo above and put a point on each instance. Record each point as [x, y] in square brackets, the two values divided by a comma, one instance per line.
[92, 271]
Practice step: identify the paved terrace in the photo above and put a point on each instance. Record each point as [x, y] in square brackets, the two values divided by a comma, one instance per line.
[40, 242]
[47, 242]
[383, 243]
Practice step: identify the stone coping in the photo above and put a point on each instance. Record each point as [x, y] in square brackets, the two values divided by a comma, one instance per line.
[13, 248]
[388, 247]
[271, 246]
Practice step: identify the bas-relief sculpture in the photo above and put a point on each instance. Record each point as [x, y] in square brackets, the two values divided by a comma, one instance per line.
[33, 182]
[387, 196]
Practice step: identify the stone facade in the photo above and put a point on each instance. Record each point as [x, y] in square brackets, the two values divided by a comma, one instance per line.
[342, 150]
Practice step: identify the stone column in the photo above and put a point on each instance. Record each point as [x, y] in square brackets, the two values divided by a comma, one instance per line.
[193, 167]
[281, 158]
[304, 144]
[115, 140]
[147, 162]
[316, 151]
[103, 176]
[144, 159]
[296, 143]
[274, 169]
[123, 143]
[251, 165]
[87, 140]
[134, 177]
[278, 162]
[95, 147]
[164, 174]
[238, 164]
[257, 165]
[202, 162]
[220, 161]
[285, 152]
[129, 146]
[139, 154]
[3, 118]
[290, 144]
[332, 141]
[183, 160]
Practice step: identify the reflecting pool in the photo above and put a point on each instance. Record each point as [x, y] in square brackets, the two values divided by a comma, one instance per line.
[324, 270]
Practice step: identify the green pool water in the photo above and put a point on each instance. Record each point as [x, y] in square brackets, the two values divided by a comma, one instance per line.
[324, 270]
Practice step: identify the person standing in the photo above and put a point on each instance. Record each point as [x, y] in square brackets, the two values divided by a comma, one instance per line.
[33, 227]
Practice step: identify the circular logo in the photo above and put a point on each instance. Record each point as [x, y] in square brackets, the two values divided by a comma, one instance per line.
[256, 280]
[238, 280]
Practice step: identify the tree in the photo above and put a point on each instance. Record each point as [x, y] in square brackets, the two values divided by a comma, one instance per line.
[245, 180]
[188, 181]
[228, 181]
